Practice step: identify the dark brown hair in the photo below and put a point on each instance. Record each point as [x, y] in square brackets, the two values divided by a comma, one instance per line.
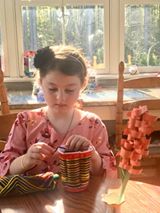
[65, 59]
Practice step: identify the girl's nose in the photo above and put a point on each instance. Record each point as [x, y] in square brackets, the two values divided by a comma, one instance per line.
[60, 96]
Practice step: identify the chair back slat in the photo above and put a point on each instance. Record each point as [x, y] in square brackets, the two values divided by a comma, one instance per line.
[3, 95]
[145, 82]
[152, 101]
[6, 122]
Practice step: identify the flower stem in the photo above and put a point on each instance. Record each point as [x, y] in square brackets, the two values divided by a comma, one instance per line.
[126, 176]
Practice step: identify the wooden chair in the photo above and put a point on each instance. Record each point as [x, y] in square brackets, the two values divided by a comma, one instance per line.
[6, 118]
[153, 104]
[6, 122]
[3, 95]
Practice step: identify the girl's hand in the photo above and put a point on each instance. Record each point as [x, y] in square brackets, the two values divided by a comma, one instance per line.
[77, 143]
[80, 143]
[37, 153]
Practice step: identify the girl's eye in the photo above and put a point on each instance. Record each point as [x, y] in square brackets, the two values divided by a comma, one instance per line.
[69, 90]
[53, 89]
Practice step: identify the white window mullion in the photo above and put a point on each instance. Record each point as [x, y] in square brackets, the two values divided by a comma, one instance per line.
[11, 39]
[4, 57]
[114, 36]
[19, 37]
[122, 30]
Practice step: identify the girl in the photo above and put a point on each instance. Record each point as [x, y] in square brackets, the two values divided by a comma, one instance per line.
[36, 135]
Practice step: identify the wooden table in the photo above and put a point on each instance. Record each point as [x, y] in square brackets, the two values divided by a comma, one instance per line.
[140, 198]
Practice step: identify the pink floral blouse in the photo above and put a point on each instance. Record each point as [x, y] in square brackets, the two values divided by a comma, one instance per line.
[33, 126]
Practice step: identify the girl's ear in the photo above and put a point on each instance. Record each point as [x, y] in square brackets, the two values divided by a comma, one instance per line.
[84, 85]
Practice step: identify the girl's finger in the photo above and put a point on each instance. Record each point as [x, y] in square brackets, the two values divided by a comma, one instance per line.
[69, 141]
[85, 145]
[79, 145]
[36, 156]
[36, 162]
[45, 147]
[42, 149]
[77, 142]
[72, 144]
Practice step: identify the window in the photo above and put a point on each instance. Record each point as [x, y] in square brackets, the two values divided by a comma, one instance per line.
[107, 31]
[78, 23]
[81, 26]
[36, 23]
[141, 34]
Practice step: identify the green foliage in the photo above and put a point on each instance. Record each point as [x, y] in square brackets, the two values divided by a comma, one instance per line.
[83, 27]
[142, 33]
[80, 26]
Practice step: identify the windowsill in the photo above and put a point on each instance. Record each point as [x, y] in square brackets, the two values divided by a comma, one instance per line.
[23, 83]
[20, 79]
[19, 84]
[103, 80]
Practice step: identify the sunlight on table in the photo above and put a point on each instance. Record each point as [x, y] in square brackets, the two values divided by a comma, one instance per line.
[57, 207]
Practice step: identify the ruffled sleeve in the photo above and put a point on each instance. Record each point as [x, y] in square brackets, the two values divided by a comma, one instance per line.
[16, 143]
[101, 144]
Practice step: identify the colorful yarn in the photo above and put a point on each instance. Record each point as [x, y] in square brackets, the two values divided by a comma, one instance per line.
[20, 184]
[75, 169]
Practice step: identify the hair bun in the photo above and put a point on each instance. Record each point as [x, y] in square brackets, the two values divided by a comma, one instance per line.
[44, 58]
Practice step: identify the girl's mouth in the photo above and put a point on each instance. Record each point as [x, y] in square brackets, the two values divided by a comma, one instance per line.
[61, 105]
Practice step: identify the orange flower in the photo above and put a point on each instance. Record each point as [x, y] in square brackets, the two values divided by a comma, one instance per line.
[136, 142]
[134, 146]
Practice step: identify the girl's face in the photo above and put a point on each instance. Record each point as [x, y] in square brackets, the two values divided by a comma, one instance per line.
[61, 91]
